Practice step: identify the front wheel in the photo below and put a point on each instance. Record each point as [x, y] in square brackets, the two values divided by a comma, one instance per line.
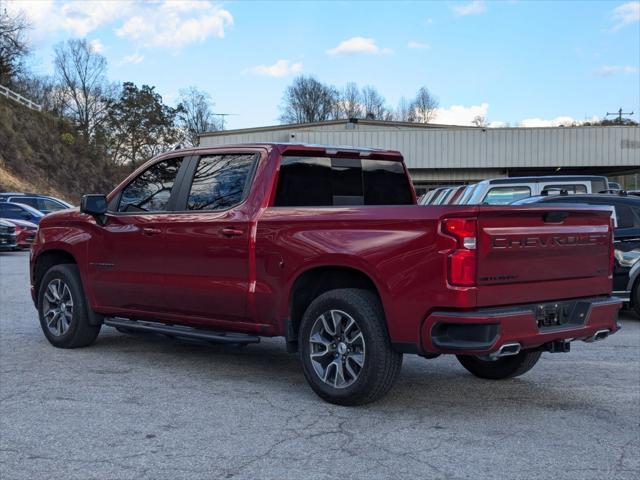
[63, 309]
[500, 368]
[345, 350]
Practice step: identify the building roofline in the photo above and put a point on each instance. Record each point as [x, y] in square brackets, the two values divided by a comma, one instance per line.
[298, 126]
[384, 123]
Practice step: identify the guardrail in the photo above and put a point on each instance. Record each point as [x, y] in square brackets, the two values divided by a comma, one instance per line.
[19, 98]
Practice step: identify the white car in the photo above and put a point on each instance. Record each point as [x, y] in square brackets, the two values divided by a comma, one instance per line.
[503, 191]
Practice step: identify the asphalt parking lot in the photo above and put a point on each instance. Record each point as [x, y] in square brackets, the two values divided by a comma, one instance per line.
[152, 408]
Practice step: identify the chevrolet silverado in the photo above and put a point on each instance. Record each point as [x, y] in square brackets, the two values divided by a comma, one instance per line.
[326, 247]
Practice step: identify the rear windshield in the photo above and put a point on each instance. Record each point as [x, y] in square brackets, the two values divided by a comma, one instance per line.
[506, 195]
[325, 181]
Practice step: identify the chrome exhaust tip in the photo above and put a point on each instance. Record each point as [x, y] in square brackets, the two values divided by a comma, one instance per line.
[506, 350]
[599, 335]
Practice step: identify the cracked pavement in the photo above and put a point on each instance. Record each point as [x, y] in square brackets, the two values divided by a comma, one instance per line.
[147, 407]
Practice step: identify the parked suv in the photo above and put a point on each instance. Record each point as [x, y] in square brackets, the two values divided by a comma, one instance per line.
[503, 191]
[326, 247]
[43, 203]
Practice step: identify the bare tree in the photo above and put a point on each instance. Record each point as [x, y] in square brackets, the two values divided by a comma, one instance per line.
[85, 90]
[374, 104]
[350, 102]
[479, 121]
[13, 46]
[308, 100]
[195, 115]
[423, 107]
[403, 112]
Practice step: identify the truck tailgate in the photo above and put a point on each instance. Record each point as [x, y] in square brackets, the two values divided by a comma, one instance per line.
[533, 253]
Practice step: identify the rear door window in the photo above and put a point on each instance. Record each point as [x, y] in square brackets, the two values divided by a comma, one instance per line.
[325, 181]
[506, 195]
[220, 181]
[50, 205]
[151, 190]
[574, 188]
[31, 201]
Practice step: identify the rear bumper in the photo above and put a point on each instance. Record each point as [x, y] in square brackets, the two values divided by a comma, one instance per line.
[485, 331]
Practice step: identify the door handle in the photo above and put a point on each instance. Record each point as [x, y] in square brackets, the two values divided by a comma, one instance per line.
[231, 232]
[148, 231]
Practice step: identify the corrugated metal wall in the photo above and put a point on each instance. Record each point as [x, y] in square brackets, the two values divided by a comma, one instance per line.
[471, 148]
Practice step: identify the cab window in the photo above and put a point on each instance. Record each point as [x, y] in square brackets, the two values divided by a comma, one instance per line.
[150, 191]
[506, 195]
[326, 181]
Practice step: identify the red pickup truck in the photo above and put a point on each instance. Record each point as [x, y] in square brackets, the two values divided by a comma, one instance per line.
[326, 247]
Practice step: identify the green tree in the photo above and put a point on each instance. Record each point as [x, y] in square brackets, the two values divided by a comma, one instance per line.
[140, 125]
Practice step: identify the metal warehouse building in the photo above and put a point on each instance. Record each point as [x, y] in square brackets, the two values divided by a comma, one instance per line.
[442, 154]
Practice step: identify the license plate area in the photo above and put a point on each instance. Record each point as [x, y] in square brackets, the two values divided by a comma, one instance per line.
[555, 315]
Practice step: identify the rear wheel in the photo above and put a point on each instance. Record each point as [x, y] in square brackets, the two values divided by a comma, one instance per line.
[500, 368]
[62, 308]
[345, 350]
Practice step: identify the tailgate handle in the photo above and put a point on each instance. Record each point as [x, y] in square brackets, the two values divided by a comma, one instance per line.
[555, 217]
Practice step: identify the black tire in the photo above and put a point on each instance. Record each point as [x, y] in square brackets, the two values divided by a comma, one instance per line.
[79, 333]
[381, 364]
[501, 368]
[635, 297]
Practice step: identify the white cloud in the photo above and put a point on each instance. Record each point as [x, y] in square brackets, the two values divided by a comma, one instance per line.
[625, 14]
[133, 58]
[472, 8]
[160, 23]
[81, 18]
[175, 24]
[96, 46]
[561, 121]
[357, 45]
[77, 18]
[281, 68]
[418, 45]
[498, 124]
[609, 70]
[460, 115]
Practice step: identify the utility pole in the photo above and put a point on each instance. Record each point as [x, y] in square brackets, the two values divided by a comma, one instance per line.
[619, 113]
[222, 118]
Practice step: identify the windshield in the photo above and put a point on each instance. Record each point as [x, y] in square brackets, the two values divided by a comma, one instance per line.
[31, 210]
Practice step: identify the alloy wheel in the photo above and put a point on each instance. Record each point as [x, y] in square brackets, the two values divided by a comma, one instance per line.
[57, 307]
[337, 348]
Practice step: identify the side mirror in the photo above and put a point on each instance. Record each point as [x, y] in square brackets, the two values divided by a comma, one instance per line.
[94, 205]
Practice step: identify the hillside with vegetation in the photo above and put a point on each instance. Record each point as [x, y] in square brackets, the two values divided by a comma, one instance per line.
[90, 132]
[40, 152]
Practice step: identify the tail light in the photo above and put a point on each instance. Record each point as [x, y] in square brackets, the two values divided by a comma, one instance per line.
[461, 266]
[612, 249]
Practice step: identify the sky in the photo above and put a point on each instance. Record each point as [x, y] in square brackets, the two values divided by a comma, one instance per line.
[517, 63]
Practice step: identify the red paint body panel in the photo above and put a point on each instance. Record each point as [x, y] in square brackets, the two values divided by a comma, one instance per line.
[181, 267]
